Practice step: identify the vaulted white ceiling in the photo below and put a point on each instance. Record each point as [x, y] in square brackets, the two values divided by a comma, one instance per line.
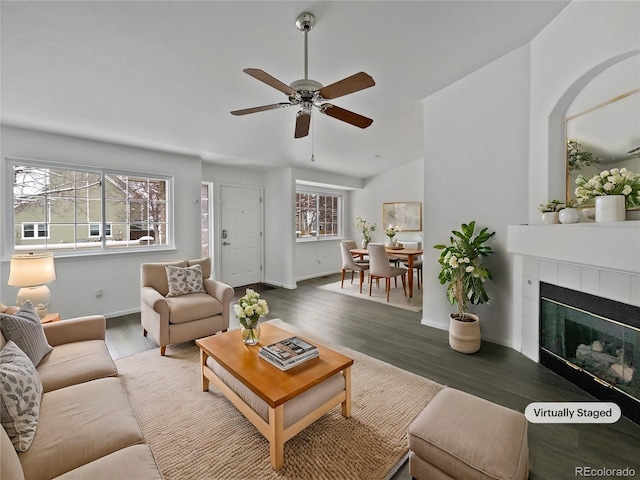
[166, 74]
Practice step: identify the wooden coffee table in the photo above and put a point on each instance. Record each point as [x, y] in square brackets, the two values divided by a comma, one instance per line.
[272, 385]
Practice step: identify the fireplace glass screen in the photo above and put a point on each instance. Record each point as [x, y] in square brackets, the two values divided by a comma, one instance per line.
[602, 347]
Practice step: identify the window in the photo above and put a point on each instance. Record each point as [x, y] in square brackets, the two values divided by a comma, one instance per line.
[35, 230]
[76, 209]
[205, 218]
[318, 215]
[95, 230]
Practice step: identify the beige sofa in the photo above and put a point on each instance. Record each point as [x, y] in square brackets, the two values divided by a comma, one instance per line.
[182, 318]
[86, 428]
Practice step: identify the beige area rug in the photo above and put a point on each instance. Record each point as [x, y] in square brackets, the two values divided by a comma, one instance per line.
[396, 298]
[199, 435]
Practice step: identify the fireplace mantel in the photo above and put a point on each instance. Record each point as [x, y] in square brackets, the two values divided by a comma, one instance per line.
[601, 259]
[611, 246]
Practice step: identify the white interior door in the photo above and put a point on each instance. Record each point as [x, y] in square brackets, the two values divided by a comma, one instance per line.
[240, 235]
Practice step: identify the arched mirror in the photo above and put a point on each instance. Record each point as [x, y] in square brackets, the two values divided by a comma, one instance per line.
[604, 131]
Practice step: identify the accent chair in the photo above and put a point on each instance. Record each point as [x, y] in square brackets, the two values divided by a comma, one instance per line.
[173, 314]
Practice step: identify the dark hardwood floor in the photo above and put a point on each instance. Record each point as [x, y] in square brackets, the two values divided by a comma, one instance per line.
[496, 373]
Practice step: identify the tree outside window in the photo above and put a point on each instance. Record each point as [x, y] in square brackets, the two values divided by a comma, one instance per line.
[318, 215]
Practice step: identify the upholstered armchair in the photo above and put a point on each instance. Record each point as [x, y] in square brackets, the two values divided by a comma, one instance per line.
[182, 311]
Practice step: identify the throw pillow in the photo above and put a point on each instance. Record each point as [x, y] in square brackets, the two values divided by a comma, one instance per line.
[25, 329]
[21, 394]
[184, 280]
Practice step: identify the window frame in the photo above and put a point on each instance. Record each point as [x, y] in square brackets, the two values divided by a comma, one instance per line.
[9, 240]
[307, 190]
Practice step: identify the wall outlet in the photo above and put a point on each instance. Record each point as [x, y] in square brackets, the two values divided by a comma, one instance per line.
[99, 293]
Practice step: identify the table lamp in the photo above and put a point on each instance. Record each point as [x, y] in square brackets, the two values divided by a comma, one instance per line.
[31, 271]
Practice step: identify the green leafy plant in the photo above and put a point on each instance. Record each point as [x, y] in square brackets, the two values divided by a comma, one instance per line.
[462, 269]
[551, 206]
[578, 157]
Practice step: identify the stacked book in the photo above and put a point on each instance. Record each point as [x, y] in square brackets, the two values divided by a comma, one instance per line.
[288, 353]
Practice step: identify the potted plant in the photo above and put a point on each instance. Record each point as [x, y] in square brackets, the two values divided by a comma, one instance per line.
[463, 272]
[550, 211]
[613, 190]
[366, 229]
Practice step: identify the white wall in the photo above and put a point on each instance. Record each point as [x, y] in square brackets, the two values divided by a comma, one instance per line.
[401, 184]
[117, 275]
[585, 39]
[476, 159]
[279, 236]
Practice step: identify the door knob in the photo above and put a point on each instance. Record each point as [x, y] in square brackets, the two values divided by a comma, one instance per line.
[226, 243]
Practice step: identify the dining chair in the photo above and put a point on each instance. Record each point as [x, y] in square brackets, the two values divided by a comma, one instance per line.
[417, 261]
[348, 263]
[352, 246]
[379, 267]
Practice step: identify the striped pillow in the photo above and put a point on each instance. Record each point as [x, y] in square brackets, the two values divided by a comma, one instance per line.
[25, 329]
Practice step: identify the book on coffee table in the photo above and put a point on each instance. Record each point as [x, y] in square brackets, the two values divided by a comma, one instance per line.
[288, 353]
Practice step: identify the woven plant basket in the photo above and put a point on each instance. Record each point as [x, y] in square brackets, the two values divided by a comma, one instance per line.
[464, 337]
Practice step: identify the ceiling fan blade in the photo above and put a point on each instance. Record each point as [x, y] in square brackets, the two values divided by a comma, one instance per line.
[351, 84]
[269, 80]
[345, 115]
[273, 106]
[303, 120]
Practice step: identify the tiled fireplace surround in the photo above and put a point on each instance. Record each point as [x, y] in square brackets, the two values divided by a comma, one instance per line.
[601, 259]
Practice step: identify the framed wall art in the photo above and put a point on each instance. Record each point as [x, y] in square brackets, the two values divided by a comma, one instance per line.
[406, 215]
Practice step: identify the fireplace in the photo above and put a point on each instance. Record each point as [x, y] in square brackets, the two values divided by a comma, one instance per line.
[594, 342]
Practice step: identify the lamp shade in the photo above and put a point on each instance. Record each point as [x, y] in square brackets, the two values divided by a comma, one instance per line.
[29, 270]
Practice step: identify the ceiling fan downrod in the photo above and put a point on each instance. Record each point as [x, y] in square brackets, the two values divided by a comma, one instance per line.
[305, 22]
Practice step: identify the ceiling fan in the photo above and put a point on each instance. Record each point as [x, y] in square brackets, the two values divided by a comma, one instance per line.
[308, 93]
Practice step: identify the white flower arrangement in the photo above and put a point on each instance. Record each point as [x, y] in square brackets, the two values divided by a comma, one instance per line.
[551, 206]
[250, 308]
[391, 231]
[610, 182]
[365, 228]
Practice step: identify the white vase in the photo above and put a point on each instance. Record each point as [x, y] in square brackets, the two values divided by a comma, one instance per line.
[551, 217]
[569, 215]
[391, 242]
[610, 208]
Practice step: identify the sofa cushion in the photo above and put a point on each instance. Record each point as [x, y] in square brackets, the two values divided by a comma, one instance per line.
[134, 462]
[10, 467]
[21, 394]
[76, 362]
[183, 281]
[79, 424]
[194, 306]
[25, 329]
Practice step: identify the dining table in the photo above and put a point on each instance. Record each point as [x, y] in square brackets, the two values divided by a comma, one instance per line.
[409, 253]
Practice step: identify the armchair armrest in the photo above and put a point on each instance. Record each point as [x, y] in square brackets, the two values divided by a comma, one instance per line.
[75, 330]
[222, 292]
[154, 300]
